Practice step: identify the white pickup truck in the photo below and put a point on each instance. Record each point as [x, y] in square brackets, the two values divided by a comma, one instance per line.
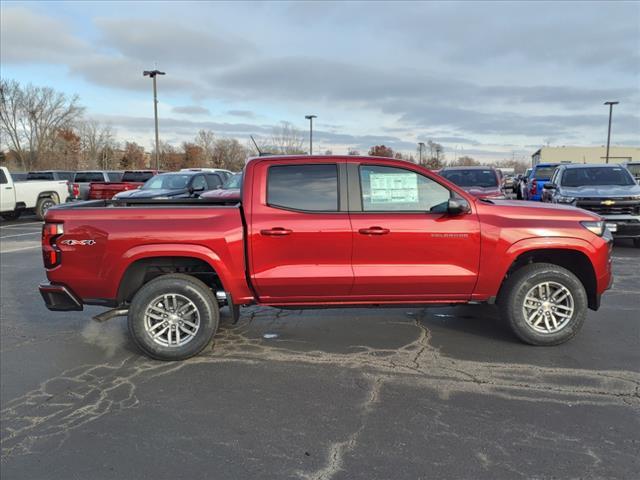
[37, 195]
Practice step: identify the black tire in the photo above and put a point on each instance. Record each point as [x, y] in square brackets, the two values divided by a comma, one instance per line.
[517, 286]
[184, 285]
[43, 205]
[636, 242]
[12, 215]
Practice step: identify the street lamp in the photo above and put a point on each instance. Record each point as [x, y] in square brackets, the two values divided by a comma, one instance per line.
[420, 147]
[611, 104]
[153, 74]
[310, 118]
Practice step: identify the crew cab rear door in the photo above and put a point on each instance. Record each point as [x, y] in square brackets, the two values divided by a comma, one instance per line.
[405, 246]
[300, 236]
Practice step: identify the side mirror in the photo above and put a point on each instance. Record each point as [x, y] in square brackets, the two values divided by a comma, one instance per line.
[457, 206]
[549, 186]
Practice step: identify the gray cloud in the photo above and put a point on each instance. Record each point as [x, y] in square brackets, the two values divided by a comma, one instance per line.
[168, 42]
[191, 110]
[241, 113]
[28, 37]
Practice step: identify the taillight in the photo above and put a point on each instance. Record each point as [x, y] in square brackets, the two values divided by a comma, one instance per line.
[76, 190]
[51, 254]
[534, 186]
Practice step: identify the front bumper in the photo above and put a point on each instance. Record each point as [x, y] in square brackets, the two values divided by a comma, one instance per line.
[59, 298]
[624, 226]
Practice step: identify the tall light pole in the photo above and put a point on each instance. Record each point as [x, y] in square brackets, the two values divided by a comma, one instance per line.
[310, 118]
[420, 147]
[611, 104]
[153, 74]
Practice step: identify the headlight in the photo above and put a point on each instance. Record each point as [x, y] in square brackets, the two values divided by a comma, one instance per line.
[595, 227]
[563, 199]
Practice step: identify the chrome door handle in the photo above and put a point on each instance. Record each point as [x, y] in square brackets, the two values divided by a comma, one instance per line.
[276, 232]
[373, 231]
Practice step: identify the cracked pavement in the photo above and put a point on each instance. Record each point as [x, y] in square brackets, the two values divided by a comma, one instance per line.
[338, 394]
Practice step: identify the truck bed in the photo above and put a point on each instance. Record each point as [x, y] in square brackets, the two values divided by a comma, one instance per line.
[99, 235]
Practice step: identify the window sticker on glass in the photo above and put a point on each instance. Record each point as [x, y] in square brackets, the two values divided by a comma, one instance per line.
[394, 188]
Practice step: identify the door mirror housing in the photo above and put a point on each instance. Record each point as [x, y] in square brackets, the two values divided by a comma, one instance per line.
[458, 206]
[549, 186]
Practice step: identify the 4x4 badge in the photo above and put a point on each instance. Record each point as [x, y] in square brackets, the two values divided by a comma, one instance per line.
[78, 242]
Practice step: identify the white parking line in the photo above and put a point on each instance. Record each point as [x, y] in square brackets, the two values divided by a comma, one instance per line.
[19, 235]
[20, 249]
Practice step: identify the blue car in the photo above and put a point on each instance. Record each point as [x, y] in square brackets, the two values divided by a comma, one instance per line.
[540, 174]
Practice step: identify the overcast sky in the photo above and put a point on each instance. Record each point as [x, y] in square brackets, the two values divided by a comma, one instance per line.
[485, 79]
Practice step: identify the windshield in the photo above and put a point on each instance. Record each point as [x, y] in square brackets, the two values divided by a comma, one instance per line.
[544, 173]
[233, 182]
[167, 181]
[579, 177]
[472, 177]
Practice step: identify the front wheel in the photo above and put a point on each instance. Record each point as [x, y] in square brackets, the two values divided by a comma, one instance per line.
[545, 304]
[173, 317]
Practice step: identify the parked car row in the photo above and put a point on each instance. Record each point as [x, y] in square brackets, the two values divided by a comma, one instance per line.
[37, 191]
[610, 190]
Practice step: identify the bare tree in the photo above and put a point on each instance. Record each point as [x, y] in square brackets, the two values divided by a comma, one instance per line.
[98, 143]
[206, 140]
[286, 140]
[31, 117]
[230, 154]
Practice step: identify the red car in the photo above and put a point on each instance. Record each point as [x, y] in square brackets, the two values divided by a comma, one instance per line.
[131, 179]
[325, 231]
[481, 182]
[229, 192]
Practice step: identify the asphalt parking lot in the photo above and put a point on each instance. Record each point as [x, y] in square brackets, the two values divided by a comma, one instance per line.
[345, 394]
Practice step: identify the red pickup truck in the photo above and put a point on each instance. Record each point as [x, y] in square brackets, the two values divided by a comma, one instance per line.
[131, 179]
[324, 231]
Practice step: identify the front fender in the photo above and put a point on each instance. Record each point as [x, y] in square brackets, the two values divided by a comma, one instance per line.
[493, 268]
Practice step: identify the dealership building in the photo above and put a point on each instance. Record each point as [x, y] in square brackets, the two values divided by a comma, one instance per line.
[585, 155]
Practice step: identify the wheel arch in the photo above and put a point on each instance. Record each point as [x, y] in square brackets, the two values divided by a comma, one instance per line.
[144, 263]
[576, 260]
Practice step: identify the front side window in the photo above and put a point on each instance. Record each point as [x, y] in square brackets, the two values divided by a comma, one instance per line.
[303, 187]
[199, 183]
[214, 181]
[3, 177]
[390, 189]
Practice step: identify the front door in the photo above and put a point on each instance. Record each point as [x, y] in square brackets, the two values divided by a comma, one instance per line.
[405, 246]
[300, 234]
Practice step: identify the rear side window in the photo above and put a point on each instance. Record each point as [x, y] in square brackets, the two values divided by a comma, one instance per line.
[89, 177]
[303, 187]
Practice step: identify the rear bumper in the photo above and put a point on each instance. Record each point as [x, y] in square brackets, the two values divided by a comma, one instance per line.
[59, 298]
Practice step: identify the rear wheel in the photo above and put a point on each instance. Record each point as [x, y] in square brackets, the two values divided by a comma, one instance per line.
[545, 304]
[173, 317]
[43, 205]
